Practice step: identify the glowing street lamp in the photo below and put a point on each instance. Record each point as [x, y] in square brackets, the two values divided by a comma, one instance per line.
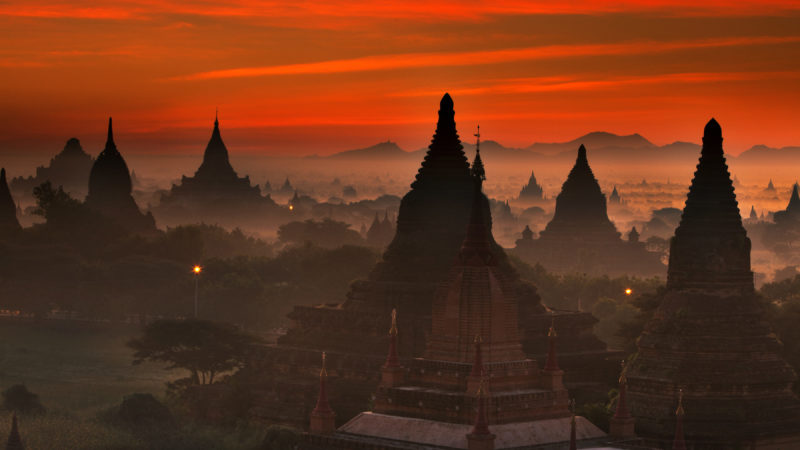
[291, 207]
[628, 291]
[196, 271]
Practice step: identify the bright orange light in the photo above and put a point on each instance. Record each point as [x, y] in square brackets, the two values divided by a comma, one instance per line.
[291, 207]
[628, 291]
[197, 269]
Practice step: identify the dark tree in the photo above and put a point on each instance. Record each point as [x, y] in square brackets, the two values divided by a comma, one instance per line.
[204, 348]
[19, 399]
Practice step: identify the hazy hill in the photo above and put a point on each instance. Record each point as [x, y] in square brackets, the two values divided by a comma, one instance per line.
[382, 151]
[594, 140]
[761, 154]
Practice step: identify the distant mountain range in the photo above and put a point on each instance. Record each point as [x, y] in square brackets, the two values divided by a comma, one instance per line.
[603, 147]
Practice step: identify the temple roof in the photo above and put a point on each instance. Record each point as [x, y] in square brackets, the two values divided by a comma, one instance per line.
[109, 176]
[8, 209]
[532, 190]
[581, 205]
[215, 164]
[794, 202]
[710, 242]
[445, 157]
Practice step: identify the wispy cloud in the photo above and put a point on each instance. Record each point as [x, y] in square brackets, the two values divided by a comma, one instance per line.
[471, 58]
[433, 10]
[563, 84]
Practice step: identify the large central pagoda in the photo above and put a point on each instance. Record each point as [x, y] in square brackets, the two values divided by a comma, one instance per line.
[431, 228]
[708, 336]
[473, 371]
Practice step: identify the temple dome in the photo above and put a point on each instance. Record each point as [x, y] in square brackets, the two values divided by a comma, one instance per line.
[109, 177]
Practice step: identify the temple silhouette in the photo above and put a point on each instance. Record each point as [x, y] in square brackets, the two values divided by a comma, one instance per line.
[216, 193]
[8, 209]
[473, 387]
[581, 238]
[69, 169]
[431, 228]
[531, 192]
[110, 190]
[708, 337]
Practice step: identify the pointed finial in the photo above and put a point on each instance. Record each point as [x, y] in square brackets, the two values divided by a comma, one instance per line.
[477, 364]
[216, 115]
[680, 411]
[712, 130]
[623, 377]
[14, 439]
[447, 103]
[393, 329]
[478, 141]
[110, 138]
[323, 373]
[552, 331]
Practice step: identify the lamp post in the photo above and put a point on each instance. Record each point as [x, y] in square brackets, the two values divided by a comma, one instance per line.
[196, 270]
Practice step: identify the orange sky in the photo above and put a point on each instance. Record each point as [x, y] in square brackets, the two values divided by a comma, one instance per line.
[320, 76]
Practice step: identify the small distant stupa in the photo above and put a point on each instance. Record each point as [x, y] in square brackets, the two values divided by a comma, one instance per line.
[110, 190]
[381, 232]
[770, 187]
[581, 238]
[792, 211]
[753, 214]
[69, 169]
[8, 209]
[614, 198]
[532, 191]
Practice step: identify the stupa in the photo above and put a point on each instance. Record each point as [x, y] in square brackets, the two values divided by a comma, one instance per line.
[581, 238]
[473, 371]
[792, 212]
[531, 192]
[431, 227]
[708, 336]
[69, 169]
[110, 190]
[8, 209]
[215, 193]
[614, 198]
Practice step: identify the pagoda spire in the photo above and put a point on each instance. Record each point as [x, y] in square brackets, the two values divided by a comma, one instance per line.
[794, 200]
[679, 443]
[477, 372]
[14, 439]
[477, 247]
[710, 224]
[478, 170]
[323, 419]
[110, 145]
[445, 158]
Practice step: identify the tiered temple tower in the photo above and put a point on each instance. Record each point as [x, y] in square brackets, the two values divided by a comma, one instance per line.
[581, 238]
[216, 193]
[110, 190]
[473, 370]
[431, 228]
[8, 209]
[708, 335]
[70, 168]
[532, 192]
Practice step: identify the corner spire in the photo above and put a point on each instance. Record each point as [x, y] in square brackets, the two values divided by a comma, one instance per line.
[392, 360]
[551, 364]
[573, 435]
[14, 439]
[679, 443]
[323, 419]
[481, 426]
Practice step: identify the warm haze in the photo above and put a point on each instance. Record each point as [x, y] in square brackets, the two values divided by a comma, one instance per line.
[319, 77]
